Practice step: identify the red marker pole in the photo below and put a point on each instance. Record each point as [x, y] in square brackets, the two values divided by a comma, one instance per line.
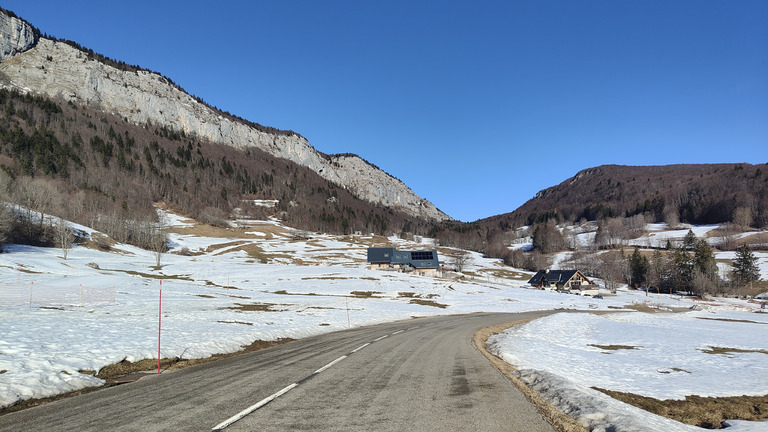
[348, 324]
[159, 319]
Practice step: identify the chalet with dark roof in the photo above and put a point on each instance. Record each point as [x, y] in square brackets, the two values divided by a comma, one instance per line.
[564, 280]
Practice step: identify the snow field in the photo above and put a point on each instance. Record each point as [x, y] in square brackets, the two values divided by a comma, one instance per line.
[221, 298]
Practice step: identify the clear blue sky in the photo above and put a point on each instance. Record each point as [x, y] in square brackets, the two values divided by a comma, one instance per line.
[476, 105]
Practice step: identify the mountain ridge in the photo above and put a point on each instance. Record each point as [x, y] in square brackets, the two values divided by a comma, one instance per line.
[31, 62]
[696, 193]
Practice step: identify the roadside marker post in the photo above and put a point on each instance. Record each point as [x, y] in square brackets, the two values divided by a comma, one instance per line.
[159, 320]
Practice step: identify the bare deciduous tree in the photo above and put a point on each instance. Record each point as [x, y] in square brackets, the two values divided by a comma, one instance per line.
[611, 233]
[64, 237]
[159, 241]
[6, 223]
[671, 217]
[742, 218]
[611, 269]
[460, 260]
[547, 238]
[39, 195]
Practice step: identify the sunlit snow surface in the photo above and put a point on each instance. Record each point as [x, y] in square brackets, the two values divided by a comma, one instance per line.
[662, 355]
[60, 317]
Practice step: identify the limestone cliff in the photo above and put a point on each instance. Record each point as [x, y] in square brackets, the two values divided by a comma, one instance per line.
[16, 36]
[56, 69]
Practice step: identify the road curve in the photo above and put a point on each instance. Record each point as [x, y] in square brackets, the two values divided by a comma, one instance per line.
[415, 375]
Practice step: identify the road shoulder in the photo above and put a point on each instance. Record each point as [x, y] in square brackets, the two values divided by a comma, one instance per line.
[560, 421]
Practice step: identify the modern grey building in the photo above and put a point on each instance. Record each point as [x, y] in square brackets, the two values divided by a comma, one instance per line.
[403, 260]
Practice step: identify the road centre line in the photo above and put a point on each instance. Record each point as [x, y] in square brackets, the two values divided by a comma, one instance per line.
[253, 408]
[268, 399]
[330, 364]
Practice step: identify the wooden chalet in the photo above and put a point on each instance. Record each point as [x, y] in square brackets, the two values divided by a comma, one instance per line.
[564, 280]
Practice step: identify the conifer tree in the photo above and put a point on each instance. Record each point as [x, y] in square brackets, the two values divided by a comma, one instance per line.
[745, 266]
[638, 266]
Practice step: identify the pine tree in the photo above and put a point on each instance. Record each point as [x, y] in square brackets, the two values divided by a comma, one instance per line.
[745, 266]
[638, 265]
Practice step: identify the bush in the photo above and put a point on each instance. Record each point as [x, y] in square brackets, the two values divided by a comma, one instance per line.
[213, 216]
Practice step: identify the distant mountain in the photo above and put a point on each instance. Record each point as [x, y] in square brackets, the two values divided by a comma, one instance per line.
[696, 193]
[32, 63]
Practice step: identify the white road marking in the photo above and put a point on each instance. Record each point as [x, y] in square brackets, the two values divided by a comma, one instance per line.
[253, 408]
[330, 364]
[269, 399]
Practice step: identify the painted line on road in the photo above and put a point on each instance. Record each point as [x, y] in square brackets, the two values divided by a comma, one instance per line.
[253, 408]
[268, 399]
[330, 364]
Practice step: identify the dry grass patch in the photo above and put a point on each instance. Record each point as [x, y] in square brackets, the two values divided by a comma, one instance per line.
[284, 292]
[414, 295]
[203, 230]
[425, 302]
[508, 274]
[100, 242]
[366, 294]
[324, 278]
[215, 247]
[153, 276]
[253, 251]
[615, 347]
[235, 322]
[705, 412]
[726, 351]
[674, 369]
[732, 320]
[642, 308]
[255, 307]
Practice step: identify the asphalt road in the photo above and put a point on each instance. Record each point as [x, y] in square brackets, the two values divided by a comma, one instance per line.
[416, 375]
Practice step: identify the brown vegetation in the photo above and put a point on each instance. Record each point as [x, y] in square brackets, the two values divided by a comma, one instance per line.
[706, 412]
[697, 194]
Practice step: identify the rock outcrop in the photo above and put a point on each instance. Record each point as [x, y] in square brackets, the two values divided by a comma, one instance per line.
[59, 70]
[16, 36]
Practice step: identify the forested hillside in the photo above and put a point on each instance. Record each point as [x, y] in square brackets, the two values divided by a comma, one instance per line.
[621, 200]
[97, 169]
[696, 194]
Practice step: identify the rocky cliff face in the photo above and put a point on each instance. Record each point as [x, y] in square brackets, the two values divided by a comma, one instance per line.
[16, 36]
[56, 69]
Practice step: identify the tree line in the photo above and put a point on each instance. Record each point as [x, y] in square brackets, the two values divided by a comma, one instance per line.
[104, 172]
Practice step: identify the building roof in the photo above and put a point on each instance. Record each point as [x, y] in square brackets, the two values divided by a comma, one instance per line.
[552, 276]
[416, 259]
[380, 255]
